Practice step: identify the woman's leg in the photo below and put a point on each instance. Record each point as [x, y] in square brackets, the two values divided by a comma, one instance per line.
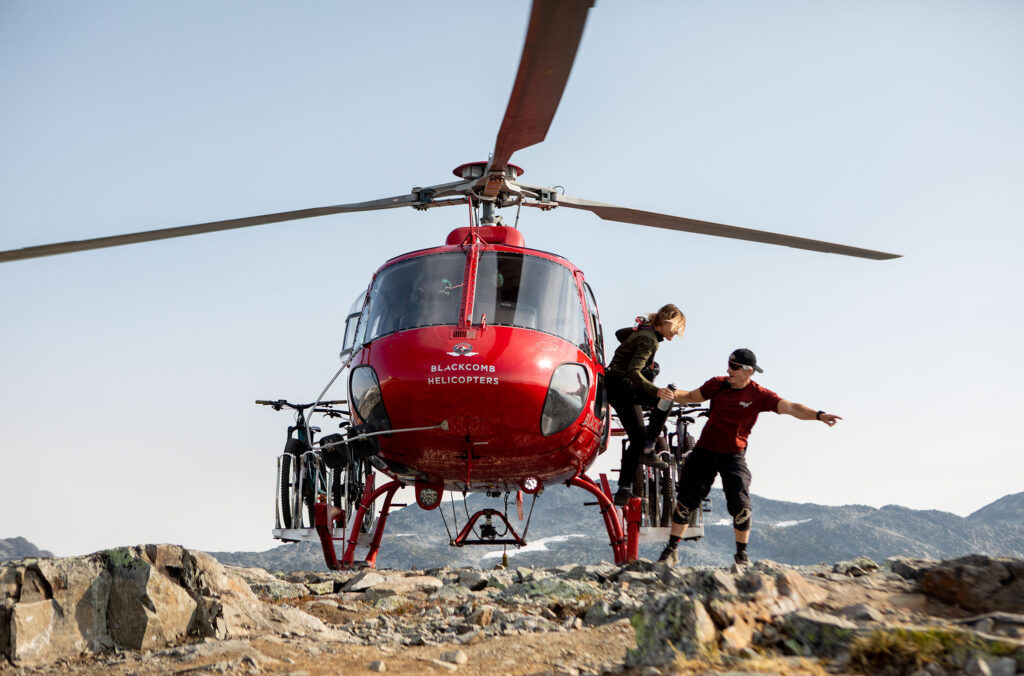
[632, 421]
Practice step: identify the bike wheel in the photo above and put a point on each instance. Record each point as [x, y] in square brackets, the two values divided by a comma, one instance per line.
[656, 508]
[364, 474]
[310, 511]
[668, 498]
[286, 490]
[314, 485]
[642, 488]
[337, 494]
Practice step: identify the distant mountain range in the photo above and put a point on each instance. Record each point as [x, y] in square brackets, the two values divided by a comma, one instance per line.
[563, 530]
[19, 548]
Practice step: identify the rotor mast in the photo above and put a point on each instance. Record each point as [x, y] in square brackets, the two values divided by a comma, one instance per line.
[500, 181]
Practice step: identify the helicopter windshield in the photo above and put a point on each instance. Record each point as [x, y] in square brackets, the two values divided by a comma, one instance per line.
[423, 291]
[514, 289]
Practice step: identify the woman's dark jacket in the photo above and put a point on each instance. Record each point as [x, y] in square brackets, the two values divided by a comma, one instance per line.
[634, 353]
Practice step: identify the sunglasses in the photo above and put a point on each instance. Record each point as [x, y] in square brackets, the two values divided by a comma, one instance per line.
[733, 366]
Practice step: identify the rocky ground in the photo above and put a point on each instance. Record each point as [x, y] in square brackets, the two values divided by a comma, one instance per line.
[163, 609]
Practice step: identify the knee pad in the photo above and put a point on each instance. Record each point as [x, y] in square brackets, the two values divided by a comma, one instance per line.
[681, 514]
[741, 520]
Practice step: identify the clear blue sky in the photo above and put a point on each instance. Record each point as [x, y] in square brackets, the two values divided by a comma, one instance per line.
[127, 375]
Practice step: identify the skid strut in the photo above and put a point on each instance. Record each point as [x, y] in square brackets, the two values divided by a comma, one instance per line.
[326, 516]
[612, 519]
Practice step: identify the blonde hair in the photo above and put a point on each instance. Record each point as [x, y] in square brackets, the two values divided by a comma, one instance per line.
[671, 314]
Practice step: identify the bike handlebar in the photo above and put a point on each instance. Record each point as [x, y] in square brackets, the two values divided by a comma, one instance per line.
[695, 408]
[278, 404]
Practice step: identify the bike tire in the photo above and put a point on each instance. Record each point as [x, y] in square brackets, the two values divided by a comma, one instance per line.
[668, 498]
[313, 482]
[310, 510]
[286, 490]
[654, 498]
[337, 494]
[657, 501]
[642, 490]
[364, 474]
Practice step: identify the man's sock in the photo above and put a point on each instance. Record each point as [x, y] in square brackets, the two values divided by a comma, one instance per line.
[673, 540]
[741, 547]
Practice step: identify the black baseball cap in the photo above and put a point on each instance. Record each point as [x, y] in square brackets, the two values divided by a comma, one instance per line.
[746, 358]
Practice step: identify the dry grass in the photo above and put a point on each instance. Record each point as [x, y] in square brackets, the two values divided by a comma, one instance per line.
[909, 649]
[761, 664]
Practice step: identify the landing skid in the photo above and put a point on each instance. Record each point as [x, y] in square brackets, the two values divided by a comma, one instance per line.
[332, 525]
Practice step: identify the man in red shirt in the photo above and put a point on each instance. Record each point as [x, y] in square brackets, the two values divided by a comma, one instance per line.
[736, 401]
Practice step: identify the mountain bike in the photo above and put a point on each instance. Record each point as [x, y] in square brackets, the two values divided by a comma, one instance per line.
[657, 487]
[311, 471]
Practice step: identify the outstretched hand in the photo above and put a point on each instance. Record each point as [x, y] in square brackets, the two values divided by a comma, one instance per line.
[829, 419]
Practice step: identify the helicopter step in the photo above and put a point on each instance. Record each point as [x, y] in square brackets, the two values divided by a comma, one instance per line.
[694, 528]
[659, 535]
[312, 535]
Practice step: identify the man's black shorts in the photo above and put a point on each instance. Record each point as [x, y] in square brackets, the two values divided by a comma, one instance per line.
[699, 473]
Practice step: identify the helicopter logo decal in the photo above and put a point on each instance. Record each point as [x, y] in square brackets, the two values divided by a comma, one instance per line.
[464, 373]
[462, 350]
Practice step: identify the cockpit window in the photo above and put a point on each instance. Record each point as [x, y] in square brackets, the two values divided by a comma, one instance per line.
[513, 289]
[595, 322]
[424, 291]
[351, 324]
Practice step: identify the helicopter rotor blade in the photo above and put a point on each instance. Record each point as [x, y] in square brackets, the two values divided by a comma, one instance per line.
[610, 212]
[419, 197]
[554, 33]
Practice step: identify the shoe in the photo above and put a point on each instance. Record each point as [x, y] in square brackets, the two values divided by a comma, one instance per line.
[652, 460]
[669, 555]
[622, 497]
[741, 559]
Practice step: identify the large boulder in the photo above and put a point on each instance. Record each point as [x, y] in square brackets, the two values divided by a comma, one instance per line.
[718, 609]
[977, 583]
[54, 601]
[670, 624]
[810, 632]
[135, 598]
[146, 609]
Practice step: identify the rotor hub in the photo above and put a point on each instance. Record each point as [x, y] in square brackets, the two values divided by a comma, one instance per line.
[472, 170]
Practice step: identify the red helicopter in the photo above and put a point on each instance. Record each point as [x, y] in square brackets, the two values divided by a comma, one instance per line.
[474, 366]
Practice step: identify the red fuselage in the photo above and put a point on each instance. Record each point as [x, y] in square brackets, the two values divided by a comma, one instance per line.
[496, 339]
